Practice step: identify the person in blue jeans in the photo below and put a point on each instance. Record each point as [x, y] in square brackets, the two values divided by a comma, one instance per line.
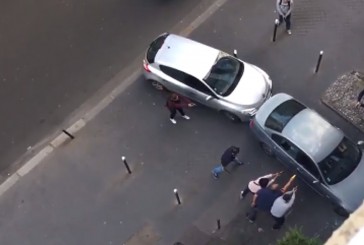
[227, 157]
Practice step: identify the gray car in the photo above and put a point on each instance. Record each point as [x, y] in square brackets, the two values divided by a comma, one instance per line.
[207, 76]
[317, 151]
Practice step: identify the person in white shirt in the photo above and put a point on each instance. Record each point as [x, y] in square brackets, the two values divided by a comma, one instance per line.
[255, 185]
[281, 206]
[284, 9]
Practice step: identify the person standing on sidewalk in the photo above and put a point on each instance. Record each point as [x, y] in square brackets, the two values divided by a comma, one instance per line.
[284, 9]
[227, 157]
[255, 185]
[281, 206]
[177, 103]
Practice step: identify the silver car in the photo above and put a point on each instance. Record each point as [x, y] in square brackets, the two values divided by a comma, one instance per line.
[207, 76]
[313, 148]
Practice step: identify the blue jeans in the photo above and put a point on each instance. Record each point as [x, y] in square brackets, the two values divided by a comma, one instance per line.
[218, 169]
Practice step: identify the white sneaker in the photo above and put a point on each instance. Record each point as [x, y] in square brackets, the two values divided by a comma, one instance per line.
[241, 195]
[289, 32]
[186, 117]
[173, 120]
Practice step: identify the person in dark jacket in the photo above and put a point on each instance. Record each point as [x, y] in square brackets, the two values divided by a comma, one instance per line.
[226, 158]
[177, 103]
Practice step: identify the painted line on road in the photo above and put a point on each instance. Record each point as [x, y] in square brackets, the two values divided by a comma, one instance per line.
[32, 163]
[202, 18]
[95, 110]
[9, 182]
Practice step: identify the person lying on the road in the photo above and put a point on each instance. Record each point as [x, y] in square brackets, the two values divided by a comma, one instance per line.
[255, 185]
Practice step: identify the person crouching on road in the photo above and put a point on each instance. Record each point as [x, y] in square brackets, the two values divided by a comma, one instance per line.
[177, 103]
[255, 185]
[281, 207]
[227, 157]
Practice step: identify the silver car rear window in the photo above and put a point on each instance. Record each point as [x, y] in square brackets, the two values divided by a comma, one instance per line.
[282, 114]
[155, 46]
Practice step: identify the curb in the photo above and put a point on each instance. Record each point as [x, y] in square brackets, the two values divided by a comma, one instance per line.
[62, 138]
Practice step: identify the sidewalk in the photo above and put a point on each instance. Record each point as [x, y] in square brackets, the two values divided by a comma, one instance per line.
[82, 194]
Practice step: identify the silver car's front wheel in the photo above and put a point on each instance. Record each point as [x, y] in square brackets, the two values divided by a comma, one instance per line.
[267, 150]
[231, 116]
[157, 85]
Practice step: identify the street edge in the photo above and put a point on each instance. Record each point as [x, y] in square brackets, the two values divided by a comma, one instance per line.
[62, 138]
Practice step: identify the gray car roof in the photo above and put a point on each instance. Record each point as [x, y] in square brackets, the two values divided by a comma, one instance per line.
[313, 134]
[307, 129]
[186, 55]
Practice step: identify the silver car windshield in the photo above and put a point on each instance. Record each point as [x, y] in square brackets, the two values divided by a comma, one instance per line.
[224, 75]
[341, 162]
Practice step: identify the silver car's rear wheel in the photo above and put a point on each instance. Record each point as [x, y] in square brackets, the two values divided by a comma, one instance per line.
[267, 150]
[156, 85]
[231, 116]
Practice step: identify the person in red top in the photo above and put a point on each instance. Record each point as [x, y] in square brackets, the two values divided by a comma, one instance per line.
[177, 103]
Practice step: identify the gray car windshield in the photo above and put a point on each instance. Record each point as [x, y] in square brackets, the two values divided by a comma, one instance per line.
[341, 162]
[225, 75]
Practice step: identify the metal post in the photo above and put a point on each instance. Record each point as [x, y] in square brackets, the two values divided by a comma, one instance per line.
[319, 61]
[235, 53]
[68, 134]
[126, 164]
[276, 23]
[177, 196]
[218, 224]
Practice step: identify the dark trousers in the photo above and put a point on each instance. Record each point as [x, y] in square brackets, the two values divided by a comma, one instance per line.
[246, 191]
[278, 222]
[174, 111]
[252, 215]
[287, 20]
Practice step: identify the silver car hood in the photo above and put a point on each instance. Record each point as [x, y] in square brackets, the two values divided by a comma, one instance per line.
[252, 88]
[351, 190]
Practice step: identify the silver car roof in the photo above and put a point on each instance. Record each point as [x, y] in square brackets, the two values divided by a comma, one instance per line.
[307, 129]
[187, 55]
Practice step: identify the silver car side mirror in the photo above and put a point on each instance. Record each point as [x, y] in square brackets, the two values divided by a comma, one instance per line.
[209, 97]
[235, 53]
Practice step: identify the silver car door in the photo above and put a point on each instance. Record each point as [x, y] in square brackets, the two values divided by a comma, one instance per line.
[200, 93]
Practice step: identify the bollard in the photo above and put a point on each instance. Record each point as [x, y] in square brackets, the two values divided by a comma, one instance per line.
[319, 61]
[68, 134]
[218, 224]
[177, 196]
[235, 53]
[126, 164]
[276, 23]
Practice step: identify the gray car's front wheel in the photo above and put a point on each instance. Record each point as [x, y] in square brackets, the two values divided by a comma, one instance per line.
[341, 211]
[232, 117]
[157, 85]
[267, 150]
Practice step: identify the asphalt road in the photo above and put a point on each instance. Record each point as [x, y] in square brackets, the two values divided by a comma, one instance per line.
[82, 194]
[55, 54]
